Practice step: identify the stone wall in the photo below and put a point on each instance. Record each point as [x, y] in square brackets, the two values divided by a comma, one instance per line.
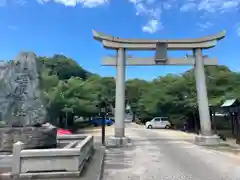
[32, 137]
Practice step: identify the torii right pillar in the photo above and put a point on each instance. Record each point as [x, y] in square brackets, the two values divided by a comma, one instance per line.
[206, 137]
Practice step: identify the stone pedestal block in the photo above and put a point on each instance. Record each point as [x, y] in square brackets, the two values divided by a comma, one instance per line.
[32, 137]
[207, 140]
[118, 142]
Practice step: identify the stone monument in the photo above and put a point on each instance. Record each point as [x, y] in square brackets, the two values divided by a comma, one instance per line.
[21, 107]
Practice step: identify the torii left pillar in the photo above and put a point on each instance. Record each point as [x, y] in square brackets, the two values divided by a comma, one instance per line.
[120, 94]
[119, 138]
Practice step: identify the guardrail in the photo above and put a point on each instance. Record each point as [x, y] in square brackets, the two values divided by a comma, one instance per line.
[68, 160]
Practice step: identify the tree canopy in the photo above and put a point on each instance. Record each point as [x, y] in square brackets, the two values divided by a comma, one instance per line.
[67, 87]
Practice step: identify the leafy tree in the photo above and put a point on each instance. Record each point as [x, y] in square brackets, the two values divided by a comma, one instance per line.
[64, 67]
[66, 84]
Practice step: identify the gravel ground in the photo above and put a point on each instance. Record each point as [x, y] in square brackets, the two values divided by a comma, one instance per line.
[97, 131]
[157, 155]
[5, 163]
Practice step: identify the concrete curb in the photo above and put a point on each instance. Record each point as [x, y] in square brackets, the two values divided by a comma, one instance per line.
[30, 176]
[100, 177]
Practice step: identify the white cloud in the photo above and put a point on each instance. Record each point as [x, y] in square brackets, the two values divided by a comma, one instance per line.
[187, 7]
[152, 26]
[238, 31]
[43, 1]
[167, 6]
[141, 9]
[93, 3]
[205, 25]
[152, 12]
[237, 27]
[21, 2]
[212, 6]
[208, 5]
[8, 2]
[135, 1]
[230, 4]
[85, 3]
[150, 1]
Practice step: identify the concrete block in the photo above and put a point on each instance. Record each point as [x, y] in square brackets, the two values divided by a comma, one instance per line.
[118, 142]
[202, 140]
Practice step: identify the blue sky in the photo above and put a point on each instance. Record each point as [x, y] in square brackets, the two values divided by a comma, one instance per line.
[50, 27]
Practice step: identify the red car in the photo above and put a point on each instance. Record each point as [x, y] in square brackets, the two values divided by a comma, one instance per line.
[63, 132]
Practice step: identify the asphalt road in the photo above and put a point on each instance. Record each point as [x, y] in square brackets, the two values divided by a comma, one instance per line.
[163, 156]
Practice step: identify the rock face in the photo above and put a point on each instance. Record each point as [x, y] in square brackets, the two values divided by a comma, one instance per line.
[20, 102]
[21, 106]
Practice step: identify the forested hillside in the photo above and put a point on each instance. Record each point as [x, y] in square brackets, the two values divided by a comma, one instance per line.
[67, 87]
[69, 90]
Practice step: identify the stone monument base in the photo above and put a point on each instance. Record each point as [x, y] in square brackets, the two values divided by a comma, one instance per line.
[202, 140]
[118, 141]
[32, 137]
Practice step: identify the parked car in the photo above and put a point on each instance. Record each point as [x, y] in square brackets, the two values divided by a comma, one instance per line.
[98, 121]
[158, 122]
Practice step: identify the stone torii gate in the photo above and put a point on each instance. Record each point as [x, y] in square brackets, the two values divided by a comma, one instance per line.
[161, 47]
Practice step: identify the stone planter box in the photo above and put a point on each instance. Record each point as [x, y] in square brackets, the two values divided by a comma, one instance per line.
[58, 162]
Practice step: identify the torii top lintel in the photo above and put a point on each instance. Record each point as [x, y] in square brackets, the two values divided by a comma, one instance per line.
[112, 42]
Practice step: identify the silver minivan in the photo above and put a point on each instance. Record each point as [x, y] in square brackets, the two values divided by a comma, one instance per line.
[158, 122]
